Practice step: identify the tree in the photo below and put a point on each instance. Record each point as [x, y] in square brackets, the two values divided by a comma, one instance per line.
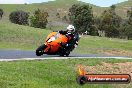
[110, 22]
[94, 30]
[19, 17]
[39, 19]
[1, 13]
[81, 17]
[126, 29]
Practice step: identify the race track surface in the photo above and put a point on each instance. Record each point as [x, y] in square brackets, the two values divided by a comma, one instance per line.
[6, 55]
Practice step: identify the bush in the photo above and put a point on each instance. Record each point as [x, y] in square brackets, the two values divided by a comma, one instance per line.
[39, 19]
[19, 17]
[126, 28]
[126, 31]
[1, 13]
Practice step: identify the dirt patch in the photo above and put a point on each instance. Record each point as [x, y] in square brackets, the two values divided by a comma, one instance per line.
[117, 52]
[116, 68]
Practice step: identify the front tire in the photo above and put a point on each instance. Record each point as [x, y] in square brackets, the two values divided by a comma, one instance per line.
[40, 50]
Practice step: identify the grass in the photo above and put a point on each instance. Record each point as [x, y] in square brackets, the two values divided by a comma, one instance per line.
[47, 73]
[95, 44]
[21, 37]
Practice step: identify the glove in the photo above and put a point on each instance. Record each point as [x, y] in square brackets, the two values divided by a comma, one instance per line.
[75, 45]
[62, 32]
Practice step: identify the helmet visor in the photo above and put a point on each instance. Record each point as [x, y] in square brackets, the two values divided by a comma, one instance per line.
[70, 31]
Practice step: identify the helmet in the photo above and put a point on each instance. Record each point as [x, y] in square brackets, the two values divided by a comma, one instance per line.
[70, 29]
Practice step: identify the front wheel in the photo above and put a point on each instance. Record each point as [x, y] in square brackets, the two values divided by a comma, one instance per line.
[40, 50]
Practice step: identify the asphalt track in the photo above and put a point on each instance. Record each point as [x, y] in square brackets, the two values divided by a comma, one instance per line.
[10, 55]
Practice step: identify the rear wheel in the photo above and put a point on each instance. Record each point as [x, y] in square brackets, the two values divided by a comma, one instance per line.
[62, 55]
[67, 53]
[40, 50]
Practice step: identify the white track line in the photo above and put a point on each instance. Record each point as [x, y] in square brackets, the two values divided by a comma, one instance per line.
[55, 58]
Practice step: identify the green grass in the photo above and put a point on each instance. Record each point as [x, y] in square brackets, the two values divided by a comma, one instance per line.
[21, 37]
[95, 44]
[48, 73]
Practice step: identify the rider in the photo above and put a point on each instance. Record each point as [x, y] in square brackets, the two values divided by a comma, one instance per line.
[70, 33]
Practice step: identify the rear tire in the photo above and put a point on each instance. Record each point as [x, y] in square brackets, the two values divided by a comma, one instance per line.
[62, 55]
[40, 50]
[67, 53]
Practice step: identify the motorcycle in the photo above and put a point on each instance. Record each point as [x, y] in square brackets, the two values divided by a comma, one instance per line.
[56, 44]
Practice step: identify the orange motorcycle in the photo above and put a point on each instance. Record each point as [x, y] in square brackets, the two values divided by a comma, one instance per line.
[56, 44]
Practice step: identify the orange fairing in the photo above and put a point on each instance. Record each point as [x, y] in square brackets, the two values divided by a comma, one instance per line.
[53, 46]
[50, 35]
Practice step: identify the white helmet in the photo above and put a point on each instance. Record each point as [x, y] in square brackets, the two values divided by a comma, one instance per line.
[70, 29]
